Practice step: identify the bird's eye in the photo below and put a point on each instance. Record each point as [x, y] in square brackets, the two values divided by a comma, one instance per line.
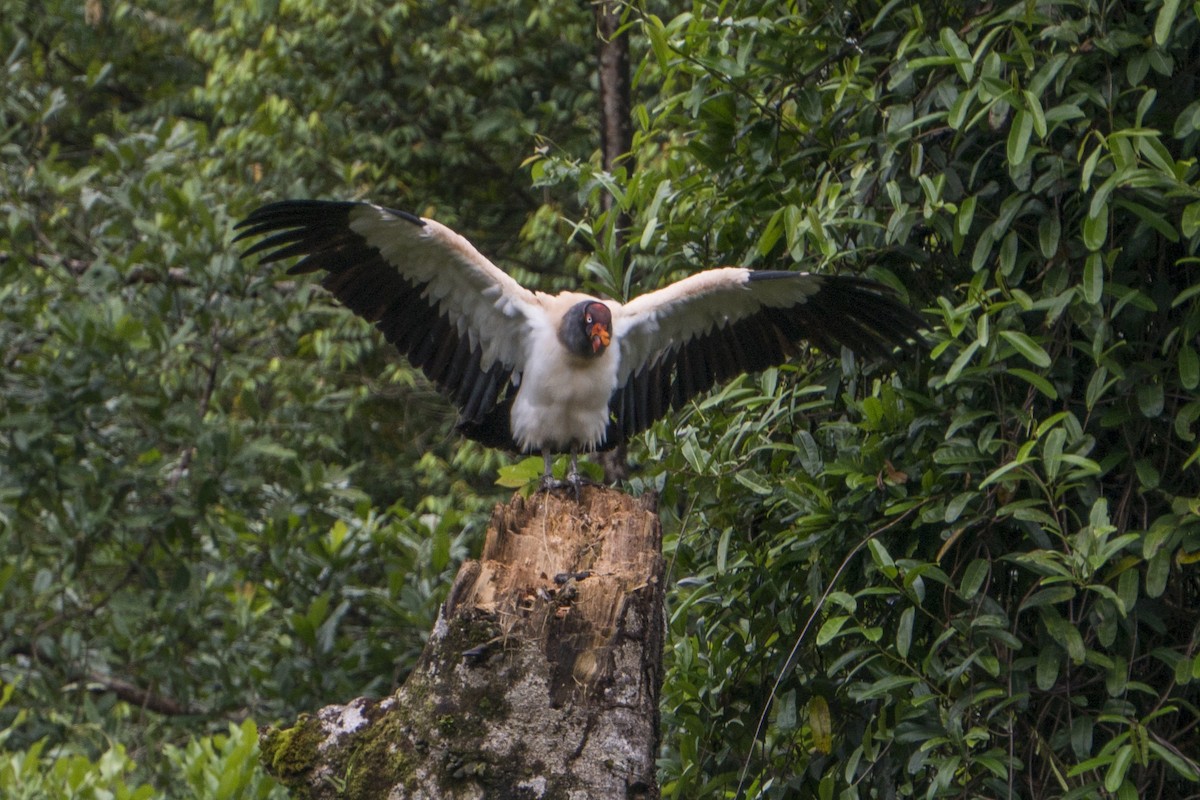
[588, 319]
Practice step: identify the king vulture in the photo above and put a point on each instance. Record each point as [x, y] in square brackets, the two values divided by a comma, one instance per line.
[569, 372]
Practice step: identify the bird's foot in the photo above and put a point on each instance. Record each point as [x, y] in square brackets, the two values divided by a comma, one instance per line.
[574, 481]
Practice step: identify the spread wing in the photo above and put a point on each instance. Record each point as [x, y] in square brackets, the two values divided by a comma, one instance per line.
[681, 340]
[452, 312]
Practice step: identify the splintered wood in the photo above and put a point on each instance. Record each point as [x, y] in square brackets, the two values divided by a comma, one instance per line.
[560, 572]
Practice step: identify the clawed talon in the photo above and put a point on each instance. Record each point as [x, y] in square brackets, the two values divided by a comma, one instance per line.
[574, 480]
[549, 484]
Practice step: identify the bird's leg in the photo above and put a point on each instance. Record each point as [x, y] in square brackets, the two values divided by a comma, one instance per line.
[548, 481]
[573, 477]
[573, 481]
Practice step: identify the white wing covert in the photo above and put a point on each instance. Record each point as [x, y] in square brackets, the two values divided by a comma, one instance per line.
[453, 313]
[681, 340]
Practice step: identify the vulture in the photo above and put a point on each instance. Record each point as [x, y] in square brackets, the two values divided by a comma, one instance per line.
[565, 373]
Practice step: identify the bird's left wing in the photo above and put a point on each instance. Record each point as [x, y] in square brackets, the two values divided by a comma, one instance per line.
[455, 315]
[682, 339]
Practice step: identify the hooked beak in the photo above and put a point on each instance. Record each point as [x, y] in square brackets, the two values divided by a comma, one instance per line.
[600, 337]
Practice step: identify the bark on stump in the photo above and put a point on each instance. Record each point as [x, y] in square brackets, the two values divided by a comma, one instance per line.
[540, 680]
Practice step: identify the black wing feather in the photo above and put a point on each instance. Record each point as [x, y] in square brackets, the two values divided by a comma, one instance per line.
[359, 276]
[858, 313]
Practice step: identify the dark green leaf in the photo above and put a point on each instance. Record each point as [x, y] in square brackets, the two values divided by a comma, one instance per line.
[973, 578]
[1163, 24]
[1189, 367]
[1027, 347]
[1095, 229]
[1093, 278]
[904, 630]
[1115, 775]
[1150, 398]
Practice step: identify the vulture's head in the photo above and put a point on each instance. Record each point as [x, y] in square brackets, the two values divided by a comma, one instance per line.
[586, 329]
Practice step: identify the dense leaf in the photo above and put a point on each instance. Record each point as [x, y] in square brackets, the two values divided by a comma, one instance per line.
[963, 555]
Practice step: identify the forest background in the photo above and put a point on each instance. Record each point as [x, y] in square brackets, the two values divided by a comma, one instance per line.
[224, 502]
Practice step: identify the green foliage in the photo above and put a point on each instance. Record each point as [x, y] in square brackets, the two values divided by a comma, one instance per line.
[974, 576]
[219, 767]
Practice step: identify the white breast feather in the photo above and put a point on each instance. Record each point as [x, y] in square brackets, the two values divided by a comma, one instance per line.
[563, 399]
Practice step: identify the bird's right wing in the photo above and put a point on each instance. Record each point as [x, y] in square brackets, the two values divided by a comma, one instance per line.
[453, 313]
[684, 338]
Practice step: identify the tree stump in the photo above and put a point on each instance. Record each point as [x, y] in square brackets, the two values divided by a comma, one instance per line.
[540, 680]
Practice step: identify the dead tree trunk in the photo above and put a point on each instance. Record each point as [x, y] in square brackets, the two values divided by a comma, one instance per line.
[612, 58]
[540, 680]
[616, 146]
